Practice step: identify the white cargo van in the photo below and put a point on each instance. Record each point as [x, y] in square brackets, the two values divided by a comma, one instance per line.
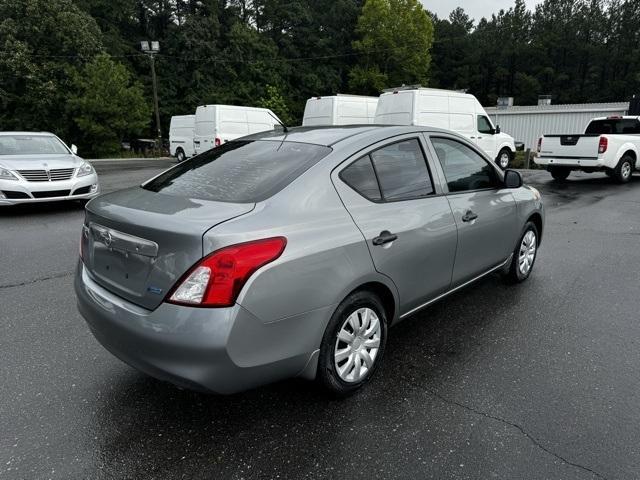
[181, 132]
[456, 111]
[217, 124]
[340, 110]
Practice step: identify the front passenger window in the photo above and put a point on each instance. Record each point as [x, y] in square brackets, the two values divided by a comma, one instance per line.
[484, 125]
[464, 169]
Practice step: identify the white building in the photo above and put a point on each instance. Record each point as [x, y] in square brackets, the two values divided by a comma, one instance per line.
[528, 123]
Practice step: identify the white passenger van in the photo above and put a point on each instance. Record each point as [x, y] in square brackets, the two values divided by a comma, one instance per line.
[456, 111]
[217, 124]
[340, 110]
[181, 132]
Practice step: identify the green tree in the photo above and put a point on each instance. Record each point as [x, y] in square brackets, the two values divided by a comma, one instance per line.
[107, 106]
[274, 101]
[395, 39]
[42, 42]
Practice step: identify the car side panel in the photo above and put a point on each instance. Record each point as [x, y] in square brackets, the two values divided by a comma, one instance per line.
[325, 257]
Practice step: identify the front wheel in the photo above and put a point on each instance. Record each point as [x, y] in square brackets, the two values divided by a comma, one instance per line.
[624, 169]
[503, 159]
[353, 344]
[524, 255]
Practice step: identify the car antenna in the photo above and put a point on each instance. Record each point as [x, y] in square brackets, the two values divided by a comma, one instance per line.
[284, 127]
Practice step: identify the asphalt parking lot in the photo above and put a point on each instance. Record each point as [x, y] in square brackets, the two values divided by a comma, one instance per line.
[540, 380]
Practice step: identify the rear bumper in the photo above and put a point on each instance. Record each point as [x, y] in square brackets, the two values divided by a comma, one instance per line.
[19, 192]
[576, 163]
[214, 350]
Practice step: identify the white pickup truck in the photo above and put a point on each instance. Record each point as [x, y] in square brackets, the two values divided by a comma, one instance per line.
[610, 145]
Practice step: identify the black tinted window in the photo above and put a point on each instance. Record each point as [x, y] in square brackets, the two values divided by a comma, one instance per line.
[463, 168]
[241, 172]
[361, 177]
[612, 125]
[402, 171]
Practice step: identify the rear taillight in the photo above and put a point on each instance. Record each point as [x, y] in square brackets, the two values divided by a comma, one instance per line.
[603, 144]
[539, 144]
[218, 142]
[218, 278]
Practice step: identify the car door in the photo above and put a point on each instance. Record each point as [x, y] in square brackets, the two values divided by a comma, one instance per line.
[485, 138]
[484, 210]
[406, 221]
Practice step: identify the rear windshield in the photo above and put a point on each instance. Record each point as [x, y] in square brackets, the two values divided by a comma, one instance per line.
[613, 126]
[239, 171]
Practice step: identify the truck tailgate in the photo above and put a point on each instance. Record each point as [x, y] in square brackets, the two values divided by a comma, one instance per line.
[570, 147]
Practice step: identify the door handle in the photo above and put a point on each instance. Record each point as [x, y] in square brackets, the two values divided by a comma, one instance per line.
[385, 237]
[469, 216]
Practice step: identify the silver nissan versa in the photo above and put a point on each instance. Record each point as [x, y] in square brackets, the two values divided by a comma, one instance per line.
[287, 254]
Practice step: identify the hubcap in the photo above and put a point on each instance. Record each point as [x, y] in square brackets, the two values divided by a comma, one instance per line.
[626, 170]
[504, 160]
[357, 345]
[527, 252]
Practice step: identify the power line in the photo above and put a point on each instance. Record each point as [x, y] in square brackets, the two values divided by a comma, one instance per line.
[218, 60]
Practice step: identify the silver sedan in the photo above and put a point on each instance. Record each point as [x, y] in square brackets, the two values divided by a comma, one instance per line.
[39, 167]
[287, 254]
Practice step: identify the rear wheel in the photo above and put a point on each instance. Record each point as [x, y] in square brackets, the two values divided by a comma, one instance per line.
[560, 174]
[524, 255]
[353, 344]
[503, 159]
[180, 156]
[624, 169]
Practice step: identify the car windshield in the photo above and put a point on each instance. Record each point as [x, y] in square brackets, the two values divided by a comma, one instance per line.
[30, 145]
[239, 171]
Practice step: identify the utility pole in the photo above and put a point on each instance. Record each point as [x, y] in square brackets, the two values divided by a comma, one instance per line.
[151, 49]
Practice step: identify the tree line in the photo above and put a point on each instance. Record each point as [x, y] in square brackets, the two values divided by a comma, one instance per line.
[75, 67]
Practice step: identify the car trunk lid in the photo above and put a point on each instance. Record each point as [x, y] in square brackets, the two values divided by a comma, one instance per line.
[137, 243]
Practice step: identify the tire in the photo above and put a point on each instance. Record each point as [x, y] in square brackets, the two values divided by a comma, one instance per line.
[526, 250]
[180, 156]
[341, 377]
[504, 158]
[560, 174]
[623, 171]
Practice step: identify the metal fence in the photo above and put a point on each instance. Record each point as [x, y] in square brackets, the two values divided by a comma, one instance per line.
[528, 123]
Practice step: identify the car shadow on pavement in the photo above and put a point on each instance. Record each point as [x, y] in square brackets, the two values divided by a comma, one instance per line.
[41, 208]
[171, 430]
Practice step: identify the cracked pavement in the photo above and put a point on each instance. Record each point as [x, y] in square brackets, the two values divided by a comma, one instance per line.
[536, 381]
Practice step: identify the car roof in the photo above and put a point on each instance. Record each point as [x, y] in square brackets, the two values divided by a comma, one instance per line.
[33, 134]
[331, 135]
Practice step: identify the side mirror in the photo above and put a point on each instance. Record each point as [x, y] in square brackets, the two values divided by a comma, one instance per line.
[497, 129]
[74, 149]
[512, 179]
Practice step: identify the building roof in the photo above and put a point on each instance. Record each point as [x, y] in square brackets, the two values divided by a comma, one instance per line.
[575, 107]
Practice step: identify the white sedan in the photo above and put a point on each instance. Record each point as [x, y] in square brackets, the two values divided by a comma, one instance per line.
[39, 167]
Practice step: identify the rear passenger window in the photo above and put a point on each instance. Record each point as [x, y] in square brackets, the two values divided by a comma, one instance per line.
[464, 169]
[361, 177]
[402, 172]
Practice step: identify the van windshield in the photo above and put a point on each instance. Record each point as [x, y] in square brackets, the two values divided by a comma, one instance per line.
[239, 171]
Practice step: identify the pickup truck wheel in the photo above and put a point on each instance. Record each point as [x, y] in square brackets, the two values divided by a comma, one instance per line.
[624, 169]
[524, 255]
[503, 159]
[560, 174]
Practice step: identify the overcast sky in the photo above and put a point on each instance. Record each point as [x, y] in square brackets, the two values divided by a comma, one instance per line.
[475, 8]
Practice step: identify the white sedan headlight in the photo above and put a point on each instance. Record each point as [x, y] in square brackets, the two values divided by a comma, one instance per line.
[85, 169]
[6, 174]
